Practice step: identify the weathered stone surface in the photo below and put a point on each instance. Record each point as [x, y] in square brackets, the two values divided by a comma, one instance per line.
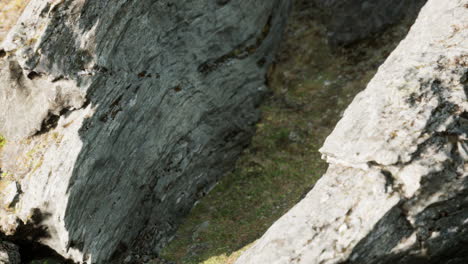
[396, 190]
[351, 20]
[9, 253]
[120, 114]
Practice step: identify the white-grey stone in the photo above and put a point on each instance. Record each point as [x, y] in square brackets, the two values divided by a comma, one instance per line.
[9, 191]
[396, 190]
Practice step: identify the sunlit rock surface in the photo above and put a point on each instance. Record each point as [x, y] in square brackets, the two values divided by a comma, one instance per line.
[396, 190]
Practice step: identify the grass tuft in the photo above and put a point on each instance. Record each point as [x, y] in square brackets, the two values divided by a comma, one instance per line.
[3, 141]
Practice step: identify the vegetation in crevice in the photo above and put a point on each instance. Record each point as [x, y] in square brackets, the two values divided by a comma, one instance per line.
[311, 85]
[2, 141]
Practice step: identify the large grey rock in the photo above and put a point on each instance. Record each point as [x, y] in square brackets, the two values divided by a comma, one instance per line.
[351, 20]
[120, 114]
[9, 253]
[396, 190]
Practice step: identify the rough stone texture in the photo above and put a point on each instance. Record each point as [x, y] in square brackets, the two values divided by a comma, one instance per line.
[10, 10]
[396, 190]
[120, 114]
[9, 253]
[351, 20]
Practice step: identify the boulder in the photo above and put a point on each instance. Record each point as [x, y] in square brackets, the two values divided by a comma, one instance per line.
[396, 190]
[350, 20]
[9, 253]
[120, 114]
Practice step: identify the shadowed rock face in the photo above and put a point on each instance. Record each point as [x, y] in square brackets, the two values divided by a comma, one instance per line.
[9, 253]
[352, 20]
[396, 190]
[120, 114]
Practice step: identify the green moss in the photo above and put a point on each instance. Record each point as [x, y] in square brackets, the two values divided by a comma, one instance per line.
[2, 142]
[7, 175]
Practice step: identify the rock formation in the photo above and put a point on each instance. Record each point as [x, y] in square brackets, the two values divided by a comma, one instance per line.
[120, 114]
[396, 190]
[9, 253]
[351, 20]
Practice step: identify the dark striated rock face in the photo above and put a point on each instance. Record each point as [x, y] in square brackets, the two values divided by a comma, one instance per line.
[120, 114]
[9, 253]
[351, 20]
[396, 190]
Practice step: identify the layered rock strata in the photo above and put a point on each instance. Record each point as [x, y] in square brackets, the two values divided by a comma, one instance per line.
[119, 115]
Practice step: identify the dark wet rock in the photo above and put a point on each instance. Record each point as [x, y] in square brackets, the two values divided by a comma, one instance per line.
[351, 20]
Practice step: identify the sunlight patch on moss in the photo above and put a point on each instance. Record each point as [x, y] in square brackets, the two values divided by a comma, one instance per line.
[226, 259]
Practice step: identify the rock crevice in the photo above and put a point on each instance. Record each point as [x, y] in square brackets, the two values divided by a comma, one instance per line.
[395, 191]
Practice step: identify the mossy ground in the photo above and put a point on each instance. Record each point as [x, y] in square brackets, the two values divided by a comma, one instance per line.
[311, 86]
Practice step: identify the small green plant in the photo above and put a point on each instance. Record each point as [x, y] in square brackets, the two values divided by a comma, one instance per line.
[2, 141]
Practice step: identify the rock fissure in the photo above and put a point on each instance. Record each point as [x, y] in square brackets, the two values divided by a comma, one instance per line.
[241, 52]
[397, 158]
